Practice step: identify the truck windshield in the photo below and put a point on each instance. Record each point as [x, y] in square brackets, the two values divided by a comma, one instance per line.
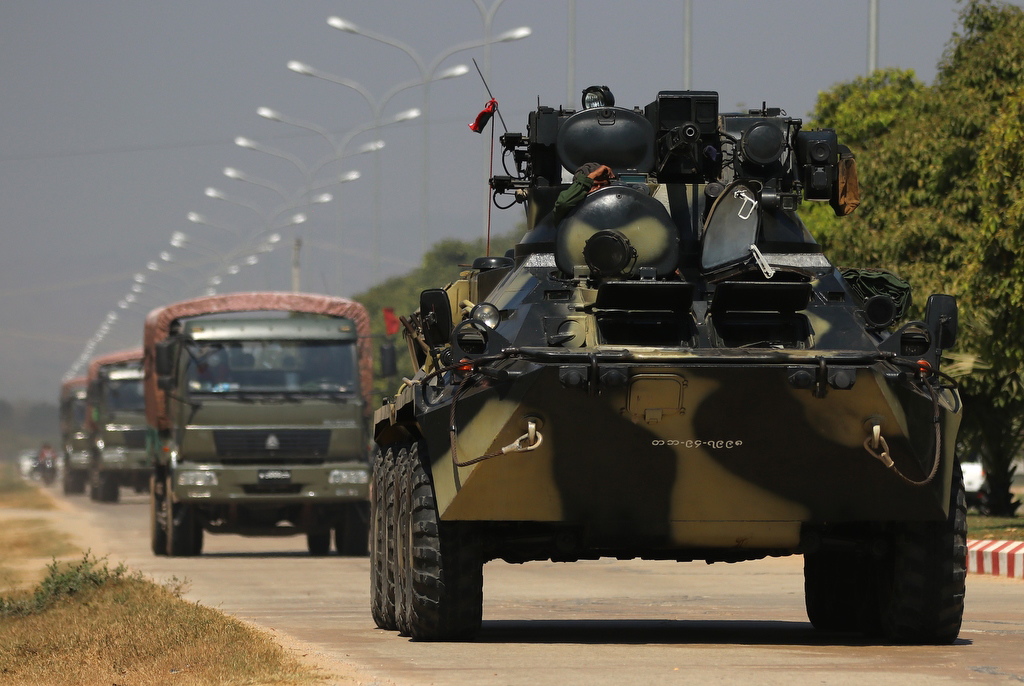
[272, 366]
[125, 396]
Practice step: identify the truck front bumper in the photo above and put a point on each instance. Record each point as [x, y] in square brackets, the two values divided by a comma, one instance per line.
[261, 484]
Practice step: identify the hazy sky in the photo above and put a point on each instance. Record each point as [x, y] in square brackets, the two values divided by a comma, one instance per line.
[118, 114]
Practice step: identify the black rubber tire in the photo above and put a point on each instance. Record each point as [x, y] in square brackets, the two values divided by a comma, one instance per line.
[923, 580]
[401, 534]
[351, 536]
[445, 568]
[318, 542]
[382, 589]
[834, 590]
[157, 530]
[104, 488]
[182, 528]
[74, 481]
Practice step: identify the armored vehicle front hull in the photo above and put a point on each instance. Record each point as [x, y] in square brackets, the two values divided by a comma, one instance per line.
[686, 452]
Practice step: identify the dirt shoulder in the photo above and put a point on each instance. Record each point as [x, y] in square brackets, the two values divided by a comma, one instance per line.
[78, 534]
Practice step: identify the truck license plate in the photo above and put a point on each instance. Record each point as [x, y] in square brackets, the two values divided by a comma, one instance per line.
[274, 475]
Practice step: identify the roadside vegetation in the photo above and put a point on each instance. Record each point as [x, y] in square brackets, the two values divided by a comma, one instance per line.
[84, 622]
[941, 171]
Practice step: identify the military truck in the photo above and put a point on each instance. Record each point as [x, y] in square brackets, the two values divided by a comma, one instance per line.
[74, 436]
[117, 425]
[258, 407]
[668, 367]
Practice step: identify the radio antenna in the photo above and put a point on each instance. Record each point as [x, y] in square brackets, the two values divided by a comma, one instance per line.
[489, 95]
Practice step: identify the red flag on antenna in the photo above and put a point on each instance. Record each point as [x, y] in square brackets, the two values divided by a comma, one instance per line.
[485, 116]
[391, 323]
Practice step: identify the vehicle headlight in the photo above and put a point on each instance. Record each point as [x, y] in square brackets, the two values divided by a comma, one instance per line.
[99, 444]
[348, 476]
[203, 478]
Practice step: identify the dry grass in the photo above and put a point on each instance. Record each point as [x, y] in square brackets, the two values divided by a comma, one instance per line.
[86, 624]
[15, 492]
[27, 545]
[81, 623]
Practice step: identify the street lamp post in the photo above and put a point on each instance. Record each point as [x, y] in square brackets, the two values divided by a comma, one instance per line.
[377, 106]
[427, 76]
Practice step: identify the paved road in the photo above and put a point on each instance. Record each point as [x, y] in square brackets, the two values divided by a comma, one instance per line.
[595, 623]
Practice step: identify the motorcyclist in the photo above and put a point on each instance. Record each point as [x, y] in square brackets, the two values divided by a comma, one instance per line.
[46, 463]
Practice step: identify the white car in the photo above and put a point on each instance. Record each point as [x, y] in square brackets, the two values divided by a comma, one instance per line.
[974, 485]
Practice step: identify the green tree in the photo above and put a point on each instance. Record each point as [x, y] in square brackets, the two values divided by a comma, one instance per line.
[943, 203]
[441, 265]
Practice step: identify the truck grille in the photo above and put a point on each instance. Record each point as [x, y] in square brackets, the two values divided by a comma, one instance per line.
[134, 439]
[256, 446]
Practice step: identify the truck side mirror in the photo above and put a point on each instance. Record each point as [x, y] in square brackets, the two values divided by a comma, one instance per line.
[165, 357]
[388, 361]
[436, 315]
[941, 319]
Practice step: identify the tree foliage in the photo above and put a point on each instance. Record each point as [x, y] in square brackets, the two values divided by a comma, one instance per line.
[441, 265]
[943, 205]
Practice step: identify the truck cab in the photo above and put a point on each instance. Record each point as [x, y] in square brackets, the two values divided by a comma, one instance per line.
[117, 423]
[267, 430]
[74, 436]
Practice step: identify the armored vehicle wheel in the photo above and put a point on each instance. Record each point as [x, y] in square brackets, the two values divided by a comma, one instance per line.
[157, 526]
[184, 533]
[401, 534]
[382, 585]
[834, 592]
[444, 568]
[922, 581]
[318, 542]
[351, 536]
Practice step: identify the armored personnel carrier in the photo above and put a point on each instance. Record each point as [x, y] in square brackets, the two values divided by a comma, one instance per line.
[669, 368]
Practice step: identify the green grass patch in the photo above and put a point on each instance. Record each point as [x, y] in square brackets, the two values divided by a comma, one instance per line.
[89, 624]
[995, 528]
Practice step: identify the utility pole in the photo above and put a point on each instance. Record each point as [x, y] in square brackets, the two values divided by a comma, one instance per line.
[296, 286]
[872, 36]
[688, 45]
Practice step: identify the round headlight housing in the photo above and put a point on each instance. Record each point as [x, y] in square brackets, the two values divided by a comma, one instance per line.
[487, 314]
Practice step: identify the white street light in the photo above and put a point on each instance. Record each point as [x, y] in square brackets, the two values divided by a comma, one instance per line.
[427, 74]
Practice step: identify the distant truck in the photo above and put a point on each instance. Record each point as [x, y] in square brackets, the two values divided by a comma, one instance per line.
[258, 407]
[74, 436]
[117, 425]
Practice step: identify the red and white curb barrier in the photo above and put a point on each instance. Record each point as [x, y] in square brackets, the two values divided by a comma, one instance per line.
[1002, 558]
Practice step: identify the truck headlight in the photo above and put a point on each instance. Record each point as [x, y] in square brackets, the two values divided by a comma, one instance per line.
[348, 476]
[203, 478]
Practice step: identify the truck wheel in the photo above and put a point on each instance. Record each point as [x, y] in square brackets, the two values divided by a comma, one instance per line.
[157, 522]
[351, 536]
[318, 542]
[445, 568]
[181, 526]
[382, 587]
[104, 488]
[922, 585]
[74, 482]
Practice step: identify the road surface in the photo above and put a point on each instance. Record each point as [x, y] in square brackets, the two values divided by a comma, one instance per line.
[594, 623]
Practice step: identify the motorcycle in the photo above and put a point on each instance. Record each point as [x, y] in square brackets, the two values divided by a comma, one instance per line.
[46, 465]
